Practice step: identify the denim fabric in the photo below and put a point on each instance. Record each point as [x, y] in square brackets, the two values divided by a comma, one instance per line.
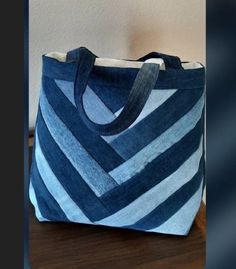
[46, 203]
[97, 111]
[65, 172]
[69, 207]
[123, 78]
[156, 171]
[172, 204]
[156, 99]
[144, 82]
[93, 143]
[150, 200]
[177, 223]
[34, 201]
[95, 108]
[100, 113]
[67, 88]
[149, 177]
[133, 140]
[159, 145]
[86, 166]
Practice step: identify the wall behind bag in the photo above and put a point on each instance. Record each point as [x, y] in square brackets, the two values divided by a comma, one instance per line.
[118, 29]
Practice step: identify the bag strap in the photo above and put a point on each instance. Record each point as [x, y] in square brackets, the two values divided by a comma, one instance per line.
[142, 87]
[169, 60]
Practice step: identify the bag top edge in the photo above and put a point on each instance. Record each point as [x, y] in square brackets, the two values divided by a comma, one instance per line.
[110, 62]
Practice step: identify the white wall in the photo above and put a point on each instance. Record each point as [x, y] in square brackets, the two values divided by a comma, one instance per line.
[118, 29]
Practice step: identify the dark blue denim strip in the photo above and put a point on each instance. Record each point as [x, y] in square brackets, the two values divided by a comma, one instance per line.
[168, 208]
[136, 138]
[102, 152]
[69, 178]
[48, 206]
[124, 77]
[161, 167]
[73, 55]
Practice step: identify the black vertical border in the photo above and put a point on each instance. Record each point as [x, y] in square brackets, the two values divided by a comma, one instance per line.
[26, 134]
[12, 134]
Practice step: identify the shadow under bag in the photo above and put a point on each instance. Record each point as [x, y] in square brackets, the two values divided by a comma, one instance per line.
[119, 142]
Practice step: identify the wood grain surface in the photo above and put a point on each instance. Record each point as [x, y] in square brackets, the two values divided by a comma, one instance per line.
[80, 246]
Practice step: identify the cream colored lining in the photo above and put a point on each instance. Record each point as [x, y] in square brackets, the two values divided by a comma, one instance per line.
[123, 63]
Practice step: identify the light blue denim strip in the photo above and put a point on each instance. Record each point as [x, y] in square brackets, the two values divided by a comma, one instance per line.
[33, 200]
[167, 139]
[67, 88]
[156, 98]
[149, 200]
[92, 173]
[181, 222]
[96, 110]
[69, 207]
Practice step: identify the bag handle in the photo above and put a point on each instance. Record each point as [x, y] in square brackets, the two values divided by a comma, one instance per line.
[142, 87]
[169, 60]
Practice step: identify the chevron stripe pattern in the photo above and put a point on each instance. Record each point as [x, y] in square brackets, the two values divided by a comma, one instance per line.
[149, 177]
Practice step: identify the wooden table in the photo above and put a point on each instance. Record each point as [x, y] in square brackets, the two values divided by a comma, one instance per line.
[79, 246]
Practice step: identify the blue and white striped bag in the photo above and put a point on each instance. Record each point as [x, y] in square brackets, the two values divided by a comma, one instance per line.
[119, 143]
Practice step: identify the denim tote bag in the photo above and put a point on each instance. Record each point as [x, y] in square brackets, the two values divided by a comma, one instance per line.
[119, 143]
